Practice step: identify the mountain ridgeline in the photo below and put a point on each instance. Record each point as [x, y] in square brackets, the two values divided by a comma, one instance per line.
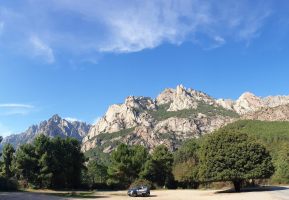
[53, 127]
[173, 117]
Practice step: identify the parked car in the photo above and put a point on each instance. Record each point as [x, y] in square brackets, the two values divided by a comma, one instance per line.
[139, 191]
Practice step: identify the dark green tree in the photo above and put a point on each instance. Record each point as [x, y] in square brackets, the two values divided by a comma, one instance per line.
[186, 164]
[126, 164]
[96, 173]
[7, 156]
[233, 156]
[50, 163]
[43, 151]
[73, 162]
[26, 164]
[158, 168]
[282, 166]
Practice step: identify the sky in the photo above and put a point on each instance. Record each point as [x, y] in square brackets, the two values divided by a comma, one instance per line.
[76, 57]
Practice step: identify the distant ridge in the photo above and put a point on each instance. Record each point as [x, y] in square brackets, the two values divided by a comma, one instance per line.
[55, 126]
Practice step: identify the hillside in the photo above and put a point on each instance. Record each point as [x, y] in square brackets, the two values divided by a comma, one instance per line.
[273, 134]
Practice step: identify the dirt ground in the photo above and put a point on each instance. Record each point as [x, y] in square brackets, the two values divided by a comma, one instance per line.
[275, 193]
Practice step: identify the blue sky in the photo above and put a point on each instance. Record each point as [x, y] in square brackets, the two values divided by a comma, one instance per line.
[75, 58]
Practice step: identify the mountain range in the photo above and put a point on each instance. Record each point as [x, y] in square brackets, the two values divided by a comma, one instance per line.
[174, 116]
[55, 126]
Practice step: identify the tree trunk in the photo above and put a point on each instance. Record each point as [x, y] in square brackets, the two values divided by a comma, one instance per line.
[237, 185]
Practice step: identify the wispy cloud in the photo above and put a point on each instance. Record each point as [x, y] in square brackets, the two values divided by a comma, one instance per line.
[122, 26]
[1, 27]
[15, 105]
[15, 109]
[40, 48]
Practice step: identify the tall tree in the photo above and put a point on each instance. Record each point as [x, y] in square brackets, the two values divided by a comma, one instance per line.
[186, 164]
[282, 166]
[53, 163]
[233, 156]
[26, 164]
[126, 164]
[96, 173]
[158, 168]
[7, 156]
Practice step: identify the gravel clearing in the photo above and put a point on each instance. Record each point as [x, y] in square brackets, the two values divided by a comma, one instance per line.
[275, 193]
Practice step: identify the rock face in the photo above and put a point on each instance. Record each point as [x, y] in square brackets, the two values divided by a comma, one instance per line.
[53, 127]
[181, 98]
[124, 116]
[279, 113]
[249, 103]
[175, 115]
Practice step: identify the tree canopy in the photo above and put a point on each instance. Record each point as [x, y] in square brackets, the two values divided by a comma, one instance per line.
[233, 156]
[158, 168]
[7, 156]
[50, 162]
[126, 164]
[186, 164]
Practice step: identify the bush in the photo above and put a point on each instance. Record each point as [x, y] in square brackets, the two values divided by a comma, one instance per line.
[8, 184]
[140, 182]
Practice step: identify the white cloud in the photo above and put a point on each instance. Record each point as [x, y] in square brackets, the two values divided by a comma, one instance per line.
[137, 25]
[42, 49]
[15, 105]
[122, 26]
[72, 119]
[15, 109]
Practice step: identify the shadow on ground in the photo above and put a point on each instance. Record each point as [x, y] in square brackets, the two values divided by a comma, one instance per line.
[82, 195]
[255, 189]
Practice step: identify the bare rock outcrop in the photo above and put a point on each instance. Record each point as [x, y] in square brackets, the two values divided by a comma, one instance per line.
[124, 116]
[152, 126]
[250, 103]
[182, 98]
[279, 113]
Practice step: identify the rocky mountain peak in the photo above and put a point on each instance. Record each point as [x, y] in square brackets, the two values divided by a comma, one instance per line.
[55, 118]
[248, 102]
[140, 103]
[55, 126]
[188, 99]
[142, 120]
[248, 96]
[165, 97]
